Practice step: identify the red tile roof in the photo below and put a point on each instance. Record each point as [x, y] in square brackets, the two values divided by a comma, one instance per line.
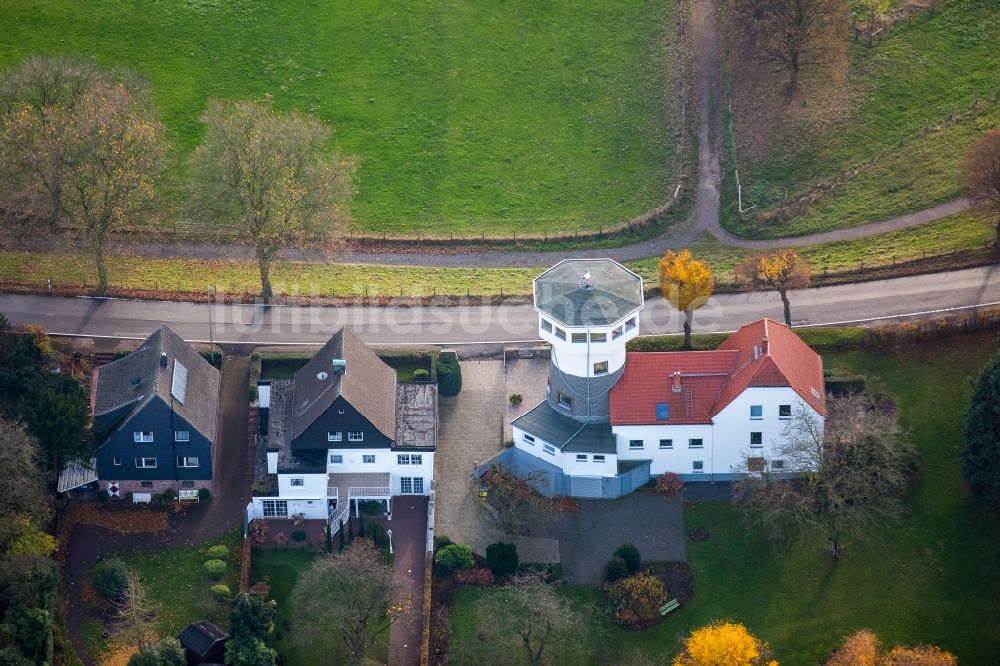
[710, 380]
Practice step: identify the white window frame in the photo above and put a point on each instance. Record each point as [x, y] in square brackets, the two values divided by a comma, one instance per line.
[757, 418]
[140, 463]
[334, 436]
[116, 461]
[182, 435]
[528, 439]
[368, 459]
[578, 338]
[185, 461]
[784, 418]
[549, 449]
[336, 459]
[142, 436]
[418, 485]
[599, 458]
[355, 436]
[274, 508]
[636, 444]
[699, 445]
[697, 466]
[402, 459]
[581, 457]
[297, 482]
[416, 459]
[598, 337]
[406, 485]
[668, 445]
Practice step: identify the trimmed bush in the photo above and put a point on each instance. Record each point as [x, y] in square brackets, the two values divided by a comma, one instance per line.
[204, 494]
[378, 535]
[371, 507]
[167, 495]
[298, 536]
[215, 568]
[421, 375]
[515, 399]
[108, 577]
[218, 552]
[220, 592]
[440, 541]
[630, 554]
[454, 558]
[844, 385]
[615, 570]
[502, 558]
[669, 485]
[104, 497]
[449, 375]
[635, 602]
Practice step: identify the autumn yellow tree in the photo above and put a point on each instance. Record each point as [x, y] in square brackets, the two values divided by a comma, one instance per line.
[864, 648]
[271, 176]
[686, 283]
[724, 644]
[780, 271]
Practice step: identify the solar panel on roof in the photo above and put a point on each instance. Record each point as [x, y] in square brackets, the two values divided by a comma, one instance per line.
[178, 387]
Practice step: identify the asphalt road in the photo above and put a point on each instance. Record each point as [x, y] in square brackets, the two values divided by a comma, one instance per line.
[925, 295]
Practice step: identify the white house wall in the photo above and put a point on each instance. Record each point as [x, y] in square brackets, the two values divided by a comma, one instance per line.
[733, 425]
[425, 470]
[313, 486]
[567, 461]
[353, 463]
[680, 459]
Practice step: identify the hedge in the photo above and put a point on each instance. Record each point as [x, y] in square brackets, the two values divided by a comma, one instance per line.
[449, 376]
[255, 368]
[844, 385]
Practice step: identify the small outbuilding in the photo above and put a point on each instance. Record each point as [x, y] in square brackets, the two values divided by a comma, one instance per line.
[203, 643]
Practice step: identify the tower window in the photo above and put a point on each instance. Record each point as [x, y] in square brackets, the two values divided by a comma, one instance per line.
[546, 325]
[601, 368]
[579, 337]
[598, 337]
[565, 401]
[561, 334]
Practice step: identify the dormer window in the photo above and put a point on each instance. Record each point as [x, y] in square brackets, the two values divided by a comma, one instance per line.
[356, 436]
[142, 436]
[334, 436]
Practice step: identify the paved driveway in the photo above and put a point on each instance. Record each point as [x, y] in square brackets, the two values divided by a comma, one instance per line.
[588, 538]
[409, 538]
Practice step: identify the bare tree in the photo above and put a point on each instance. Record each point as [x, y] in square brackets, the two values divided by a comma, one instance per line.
[513, 502]
[981, 174]
[351, 595]
[32, 154]
[22, 485]
[853, 474]
[797, 34]
[271, 176]
[133, 609]
[542, 621]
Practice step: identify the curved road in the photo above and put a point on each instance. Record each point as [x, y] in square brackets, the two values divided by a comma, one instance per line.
[921, 295]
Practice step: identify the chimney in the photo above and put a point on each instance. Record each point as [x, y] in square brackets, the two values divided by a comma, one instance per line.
[676, 388]
[763, 345]
[163, 359]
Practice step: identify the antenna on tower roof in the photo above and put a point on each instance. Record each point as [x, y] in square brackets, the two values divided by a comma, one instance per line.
[588, 281]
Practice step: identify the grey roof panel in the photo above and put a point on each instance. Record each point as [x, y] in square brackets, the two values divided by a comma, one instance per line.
[566, 294]
[136, 378]
[566, 433]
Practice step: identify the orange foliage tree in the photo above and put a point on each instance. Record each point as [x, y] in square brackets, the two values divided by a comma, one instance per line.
[724, 644]
[780, 271]
[686, 283]
[865, 649]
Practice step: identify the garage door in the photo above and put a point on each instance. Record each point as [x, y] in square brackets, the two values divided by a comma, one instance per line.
[585, 486]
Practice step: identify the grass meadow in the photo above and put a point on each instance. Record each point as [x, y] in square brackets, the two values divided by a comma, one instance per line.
[934, 578]
[465, 116]
[918, 99]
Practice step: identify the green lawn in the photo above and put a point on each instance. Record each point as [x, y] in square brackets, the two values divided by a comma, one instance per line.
[465, 116]
[958, 232]
[283, 567]
[933, 579]
[927, 76]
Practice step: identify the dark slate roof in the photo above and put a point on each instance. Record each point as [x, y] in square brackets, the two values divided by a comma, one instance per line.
[612, 293]
[566, 433]
[368, 384]
[199, 637]
[135, 379]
